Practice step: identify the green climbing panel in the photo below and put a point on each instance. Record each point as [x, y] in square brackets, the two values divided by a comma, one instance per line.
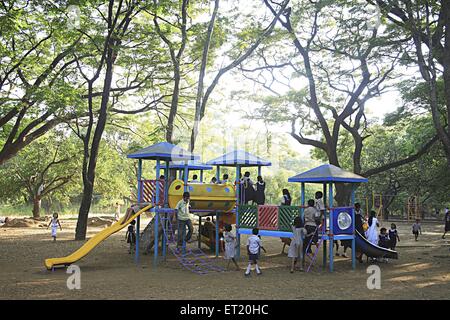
[248, 216]
[286, 216]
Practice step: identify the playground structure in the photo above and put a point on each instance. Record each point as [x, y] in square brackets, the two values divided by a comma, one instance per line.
[413, 208]
[377, 205]
[225, 202]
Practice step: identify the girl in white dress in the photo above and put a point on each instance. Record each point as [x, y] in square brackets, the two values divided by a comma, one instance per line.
[296, 248]
[372, 232]
[230, 246]
[54, 223]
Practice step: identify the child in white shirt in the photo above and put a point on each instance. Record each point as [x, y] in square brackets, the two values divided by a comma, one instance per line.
[230, 246]
[254, 245]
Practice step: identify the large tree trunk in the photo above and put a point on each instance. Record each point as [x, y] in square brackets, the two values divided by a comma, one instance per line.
[36, 206]
[173, 105]
[90, 164]
[446, 66]
[80, 231]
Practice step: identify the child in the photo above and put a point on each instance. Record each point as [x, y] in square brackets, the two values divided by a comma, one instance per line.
[383, 241]
[230, 246]
[117, 212]
[254, 245]
[260, 197]
[319, 206]
[447, 222]
[195, 179]
[415, 229]
[310, 215]
[184, 220]
[131, 236]
[345, 244]
[225, 179]
[393, 236]
[286, 200]
[54, 223]
[296, 248]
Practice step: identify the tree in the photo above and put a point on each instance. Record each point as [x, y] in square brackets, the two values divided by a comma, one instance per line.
[202, 98]
[117, 19]
[36, 56]
[344, 62]
[40, 170]
[428, 24]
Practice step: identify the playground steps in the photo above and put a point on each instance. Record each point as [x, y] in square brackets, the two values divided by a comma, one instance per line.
[194, 260]
[312, 258]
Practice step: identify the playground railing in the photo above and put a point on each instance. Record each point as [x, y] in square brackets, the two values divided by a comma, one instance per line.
[268, 217]
[147, 190]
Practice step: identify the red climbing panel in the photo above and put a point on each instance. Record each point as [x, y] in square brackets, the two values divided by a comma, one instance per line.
[268, 217]
[148, 191]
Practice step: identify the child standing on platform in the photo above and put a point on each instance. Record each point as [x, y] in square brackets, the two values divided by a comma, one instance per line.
[320, 206]
[296, 248]
[254, 245]
[230, 246]
[54, 223]
[310, 215]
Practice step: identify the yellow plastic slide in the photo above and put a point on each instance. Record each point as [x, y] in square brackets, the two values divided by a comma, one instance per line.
[93, 242]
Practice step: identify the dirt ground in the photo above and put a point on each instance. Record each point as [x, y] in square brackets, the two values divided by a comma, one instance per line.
[109, 272]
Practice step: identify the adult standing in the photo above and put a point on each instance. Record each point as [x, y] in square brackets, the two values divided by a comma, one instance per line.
[372, 232]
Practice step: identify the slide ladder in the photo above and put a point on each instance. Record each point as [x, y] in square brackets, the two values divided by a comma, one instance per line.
[313, 257]
[194, 260]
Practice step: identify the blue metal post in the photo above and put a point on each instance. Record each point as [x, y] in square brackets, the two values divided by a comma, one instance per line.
[186, 176]
[201, 175]
[199, 232]
[259, 170]
[166, 205]
[217, 233]
[138, 222]
[354, 236]
[302, 199]
[155, 245]
[218, 173]
[324, 243]
[238, 236]
[331, 227]
[186, 188]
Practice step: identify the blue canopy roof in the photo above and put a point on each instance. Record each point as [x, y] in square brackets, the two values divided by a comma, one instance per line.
[328, 173]
[192, 165]
[163, 151]
[239, 158]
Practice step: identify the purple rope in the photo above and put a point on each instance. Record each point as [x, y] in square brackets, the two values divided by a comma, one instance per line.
[196, 261]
